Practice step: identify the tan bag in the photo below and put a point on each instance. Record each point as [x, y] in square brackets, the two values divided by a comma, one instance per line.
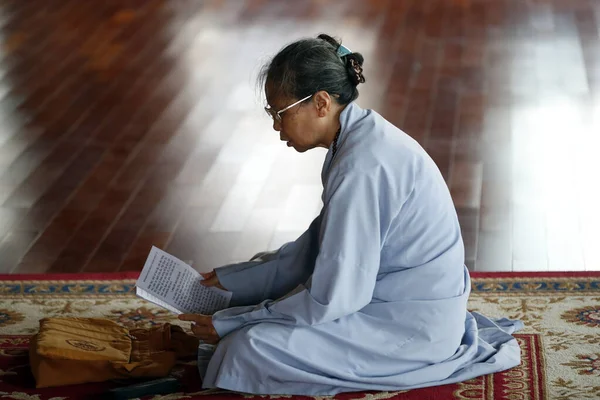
[69, 351]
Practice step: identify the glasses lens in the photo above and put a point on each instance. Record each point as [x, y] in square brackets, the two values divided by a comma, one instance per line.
[272, 113]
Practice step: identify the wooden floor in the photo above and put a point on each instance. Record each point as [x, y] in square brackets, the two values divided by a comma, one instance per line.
[126, 124]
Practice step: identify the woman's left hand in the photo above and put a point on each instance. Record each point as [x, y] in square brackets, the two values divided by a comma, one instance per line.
[202, 327]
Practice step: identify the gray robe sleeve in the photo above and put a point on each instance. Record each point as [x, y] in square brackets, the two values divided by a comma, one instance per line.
[345, 269]
[271, 275]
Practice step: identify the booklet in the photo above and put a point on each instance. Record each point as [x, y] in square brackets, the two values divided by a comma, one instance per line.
[174, 285]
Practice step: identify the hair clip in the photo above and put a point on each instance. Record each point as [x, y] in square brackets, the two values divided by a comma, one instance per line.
[343, 51]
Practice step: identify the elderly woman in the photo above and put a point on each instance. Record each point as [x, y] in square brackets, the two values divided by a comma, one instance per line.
[373, 296]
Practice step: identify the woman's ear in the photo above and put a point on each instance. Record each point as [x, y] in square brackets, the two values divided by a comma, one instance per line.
[323, 103]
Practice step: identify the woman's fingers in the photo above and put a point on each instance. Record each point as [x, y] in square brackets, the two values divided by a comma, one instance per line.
[211, 279]
[187, 317]
[207, 275]
[202, 327]
[197, 318]
[205, 335]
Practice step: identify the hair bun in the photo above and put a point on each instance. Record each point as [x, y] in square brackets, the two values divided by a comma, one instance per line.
[354, 63]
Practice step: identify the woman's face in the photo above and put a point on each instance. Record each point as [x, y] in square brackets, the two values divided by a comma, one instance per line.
[301, 126]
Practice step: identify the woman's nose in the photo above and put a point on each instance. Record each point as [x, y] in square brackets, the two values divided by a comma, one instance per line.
[276, 125]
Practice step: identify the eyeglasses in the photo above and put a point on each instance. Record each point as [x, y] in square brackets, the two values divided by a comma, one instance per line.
[276, 115]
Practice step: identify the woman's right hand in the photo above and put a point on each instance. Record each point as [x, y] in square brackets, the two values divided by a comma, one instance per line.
[211, 279]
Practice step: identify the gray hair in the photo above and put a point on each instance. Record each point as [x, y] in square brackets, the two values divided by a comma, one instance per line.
[307, 66]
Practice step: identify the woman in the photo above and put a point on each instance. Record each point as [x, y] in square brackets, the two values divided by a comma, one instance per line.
[373, 296]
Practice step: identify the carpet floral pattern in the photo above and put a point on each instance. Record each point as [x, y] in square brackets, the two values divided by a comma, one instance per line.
[560, 343]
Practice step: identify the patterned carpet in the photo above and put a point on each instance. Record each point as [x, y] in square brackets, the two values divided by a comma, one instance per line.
[560, 345]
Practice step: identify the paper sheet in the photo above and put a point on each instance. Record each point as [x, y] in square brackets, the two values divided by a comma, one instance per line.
[174, 285]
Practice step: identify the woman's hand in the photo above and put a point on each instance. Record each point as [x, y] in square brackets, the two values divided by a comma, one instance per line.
[202, 327]
[211, 279]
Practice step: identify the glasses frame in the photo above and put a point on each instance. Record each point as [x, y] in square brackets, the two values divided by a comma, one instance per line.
[276, 115]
